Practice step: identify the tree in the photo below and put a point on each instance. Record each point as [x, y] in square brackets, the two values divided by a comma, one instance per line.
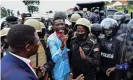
[8, 12]
[32, 5]
[3, 12]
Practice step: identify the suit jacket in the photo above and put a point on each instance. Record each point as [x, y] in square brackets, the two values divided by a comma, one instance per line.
[13, 68]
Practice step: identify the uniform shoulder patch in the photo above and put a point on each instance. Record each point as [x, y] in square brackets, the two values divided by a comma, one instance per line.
[96, 49]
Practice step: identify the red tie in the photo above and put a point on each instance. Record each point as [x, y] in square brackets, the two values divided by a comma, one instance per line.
[30, 64]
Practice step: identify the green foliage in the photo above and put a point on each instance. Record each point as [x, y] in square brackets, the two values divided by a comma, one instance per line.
[3, 12]
[32, 5]
[130, 2]
[6, 12]
[129, 8]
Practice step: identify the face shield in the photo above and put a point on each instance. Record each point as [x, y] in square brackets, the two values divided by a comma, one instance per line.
[108, 32]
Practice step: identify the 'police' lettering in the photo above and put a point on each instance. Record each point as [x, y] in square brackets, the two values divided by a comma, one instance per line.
[107, 55]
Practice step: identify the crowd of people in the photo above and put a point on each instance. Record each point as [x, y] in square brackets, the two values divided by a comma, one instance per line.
[80, 46]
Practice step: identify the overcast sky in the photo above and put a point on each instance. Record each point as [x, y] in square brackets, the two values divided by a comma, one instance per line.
[45, 5]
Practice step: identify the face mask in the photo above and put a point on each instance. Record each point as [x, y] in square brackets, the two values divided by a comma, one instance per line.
[80, 35]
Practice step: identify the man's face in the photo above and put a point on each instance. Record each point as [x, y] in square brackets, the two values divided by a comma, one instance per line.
[108, 32]
[34, 47]
[59, 25]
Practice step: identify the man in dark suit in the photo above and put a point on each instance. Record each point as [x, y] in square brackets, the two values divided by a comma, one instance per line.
[24, 42]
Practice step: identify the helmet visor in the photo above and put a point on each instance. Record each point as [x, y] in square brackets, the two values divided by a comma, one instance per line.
[108, 32]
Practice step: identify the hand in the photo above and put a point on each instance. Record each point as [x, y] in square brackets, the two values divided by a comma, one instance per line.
[110, 70]
[82, 54]
[64, 39]
[41, 69]
[80, 77]
[46, 77]
[22, 16]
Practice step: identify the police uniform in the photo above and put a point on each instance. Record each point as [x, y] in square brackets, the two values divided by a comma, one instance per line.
[87, 67]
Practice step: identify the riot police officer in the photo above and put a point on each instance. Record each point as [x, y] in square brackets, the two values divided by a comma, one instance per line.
[85, 51]
[102, 15]
[109, 49]
[120, 18]
[123, 27]
[96, 29]
[126, 64]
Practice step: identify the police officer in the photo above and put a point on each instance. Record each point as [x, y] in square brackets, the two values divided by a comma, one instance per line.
[120, 17]
[126, 40]
[123, 27]
[102, 15]
[4, 43]
[109, 49]
[96, 29]
[85, 51]
[127, 18]
[74, 18]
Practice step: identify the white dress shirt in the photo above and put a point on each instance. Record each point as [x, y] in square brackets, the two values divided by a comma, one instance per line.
[27, 61]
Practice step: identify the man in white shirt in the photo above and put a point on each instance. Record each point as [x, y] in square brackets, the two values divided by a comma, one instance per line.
[24, 42]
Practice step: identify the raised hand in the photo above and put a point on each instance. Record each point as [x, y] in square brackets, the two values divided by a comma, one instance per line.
[80, 77]
[82, 54]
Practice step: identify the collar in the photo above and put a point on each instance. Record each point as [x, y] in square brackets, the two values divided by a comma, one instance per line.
[27, 61]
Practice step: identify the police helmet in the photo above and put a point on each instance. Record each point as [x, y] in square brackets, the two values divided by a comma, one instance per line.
[42, 25]
[84, 22]
[102, 12]
[110, 16]
[96, 28]
[4, 32]
[96, 11]
[119, 16]
[75, 17]
[109, 23]
[34, 23]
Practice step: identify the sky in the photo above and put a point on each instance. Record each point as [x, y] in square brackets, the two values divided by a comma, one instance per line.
[45, 5]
